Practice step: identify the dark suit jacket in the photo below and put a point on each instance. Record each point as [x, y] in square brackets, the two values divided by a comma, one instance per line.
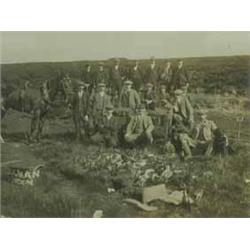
[166, 76]
[116, 79]
[101, 76]
[99, 103]
[146, 122]
[80, 105]
[185, 109]
[88, 77]
[129, 99]
[136, 77]
[152, 76]
[107, 126]
[180, 78]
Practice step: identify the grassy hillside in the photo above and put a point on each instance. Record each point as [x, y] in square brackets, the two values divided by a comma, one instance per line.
[209, 73]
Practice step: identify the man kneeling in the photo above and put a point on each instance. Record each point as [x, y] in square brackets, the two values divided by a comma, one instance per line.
[106, 129]
[140, 127]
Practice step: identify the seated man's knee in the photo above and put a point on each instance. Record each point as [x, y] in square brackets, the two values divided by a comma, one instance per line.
[130, 138]
[149, 136]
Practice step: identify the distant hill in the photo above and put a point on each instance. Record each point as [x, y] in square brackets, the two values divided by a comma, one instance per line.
[207, 72]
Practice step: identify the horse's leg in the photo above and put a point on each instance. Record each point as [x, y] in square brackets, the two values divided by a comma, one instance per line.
[35, 124]
[40, 127]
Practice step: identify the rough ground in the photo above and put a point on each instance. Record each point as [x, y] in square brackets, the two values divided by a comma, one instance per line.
[76, 178]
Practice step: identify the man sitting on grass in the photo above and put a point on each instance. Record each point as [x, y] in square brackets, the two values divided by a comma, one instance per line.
[140, 127]
[106, 130]
[205, 134]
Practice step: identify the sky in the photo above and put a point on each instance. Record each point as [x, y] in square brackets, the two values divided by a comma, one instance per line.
[74, 46]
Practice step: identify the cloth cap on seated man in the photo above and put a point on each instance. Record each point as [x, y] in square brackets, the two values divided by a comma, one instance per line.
[149, 85]
[178, 92]
[128, 82]
[101, 84]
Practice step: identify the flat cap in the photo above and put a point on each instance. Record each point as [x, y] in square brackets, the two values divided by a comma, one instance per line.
[149, 84]
[80, 83]
[128, 82]
[101, 84]
[178, 92]
[110, 107]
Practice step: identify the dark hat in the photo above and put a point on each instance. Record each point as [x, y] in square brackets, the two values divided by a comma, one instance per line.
[80, 84]
[110, 107]
[128, 82]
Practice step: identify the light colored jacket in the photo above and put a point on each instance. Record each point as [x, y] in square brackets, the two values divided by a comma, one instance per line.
[129, 99]
[139, 124]
[204, 130]
[99, 103]
[184, 109]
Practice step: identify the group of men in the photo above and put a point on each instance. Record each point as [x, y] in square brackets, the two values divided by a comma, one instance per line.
[114, 109]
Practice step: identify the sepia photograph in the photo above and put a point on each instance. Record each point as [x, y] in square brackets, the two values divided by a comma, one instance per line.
[115, 124]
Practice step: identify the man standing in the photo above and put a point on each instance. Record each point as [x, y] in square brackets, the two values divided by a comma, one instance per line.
[166, 76]
[149, 97]
[68, 88]
[181, 78]
[183, 108]
[98, 102]
[80, 110]
[3, 112]
[205, 133]
[106, 130]
[116, 79]
[181, 137]
[163, 97]
[152, 74]
[136, 77]
[129, 97]
[38, 115]
[87, 78]
[140, 127]
[101, 75]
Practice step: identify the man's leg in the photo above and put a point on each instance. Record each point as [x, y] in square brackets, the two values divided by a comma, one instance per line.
[149, 136]
[34, 127]
[209, 148]
[40, 126]
[185, 145]
[131, 139]
[77, 126]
